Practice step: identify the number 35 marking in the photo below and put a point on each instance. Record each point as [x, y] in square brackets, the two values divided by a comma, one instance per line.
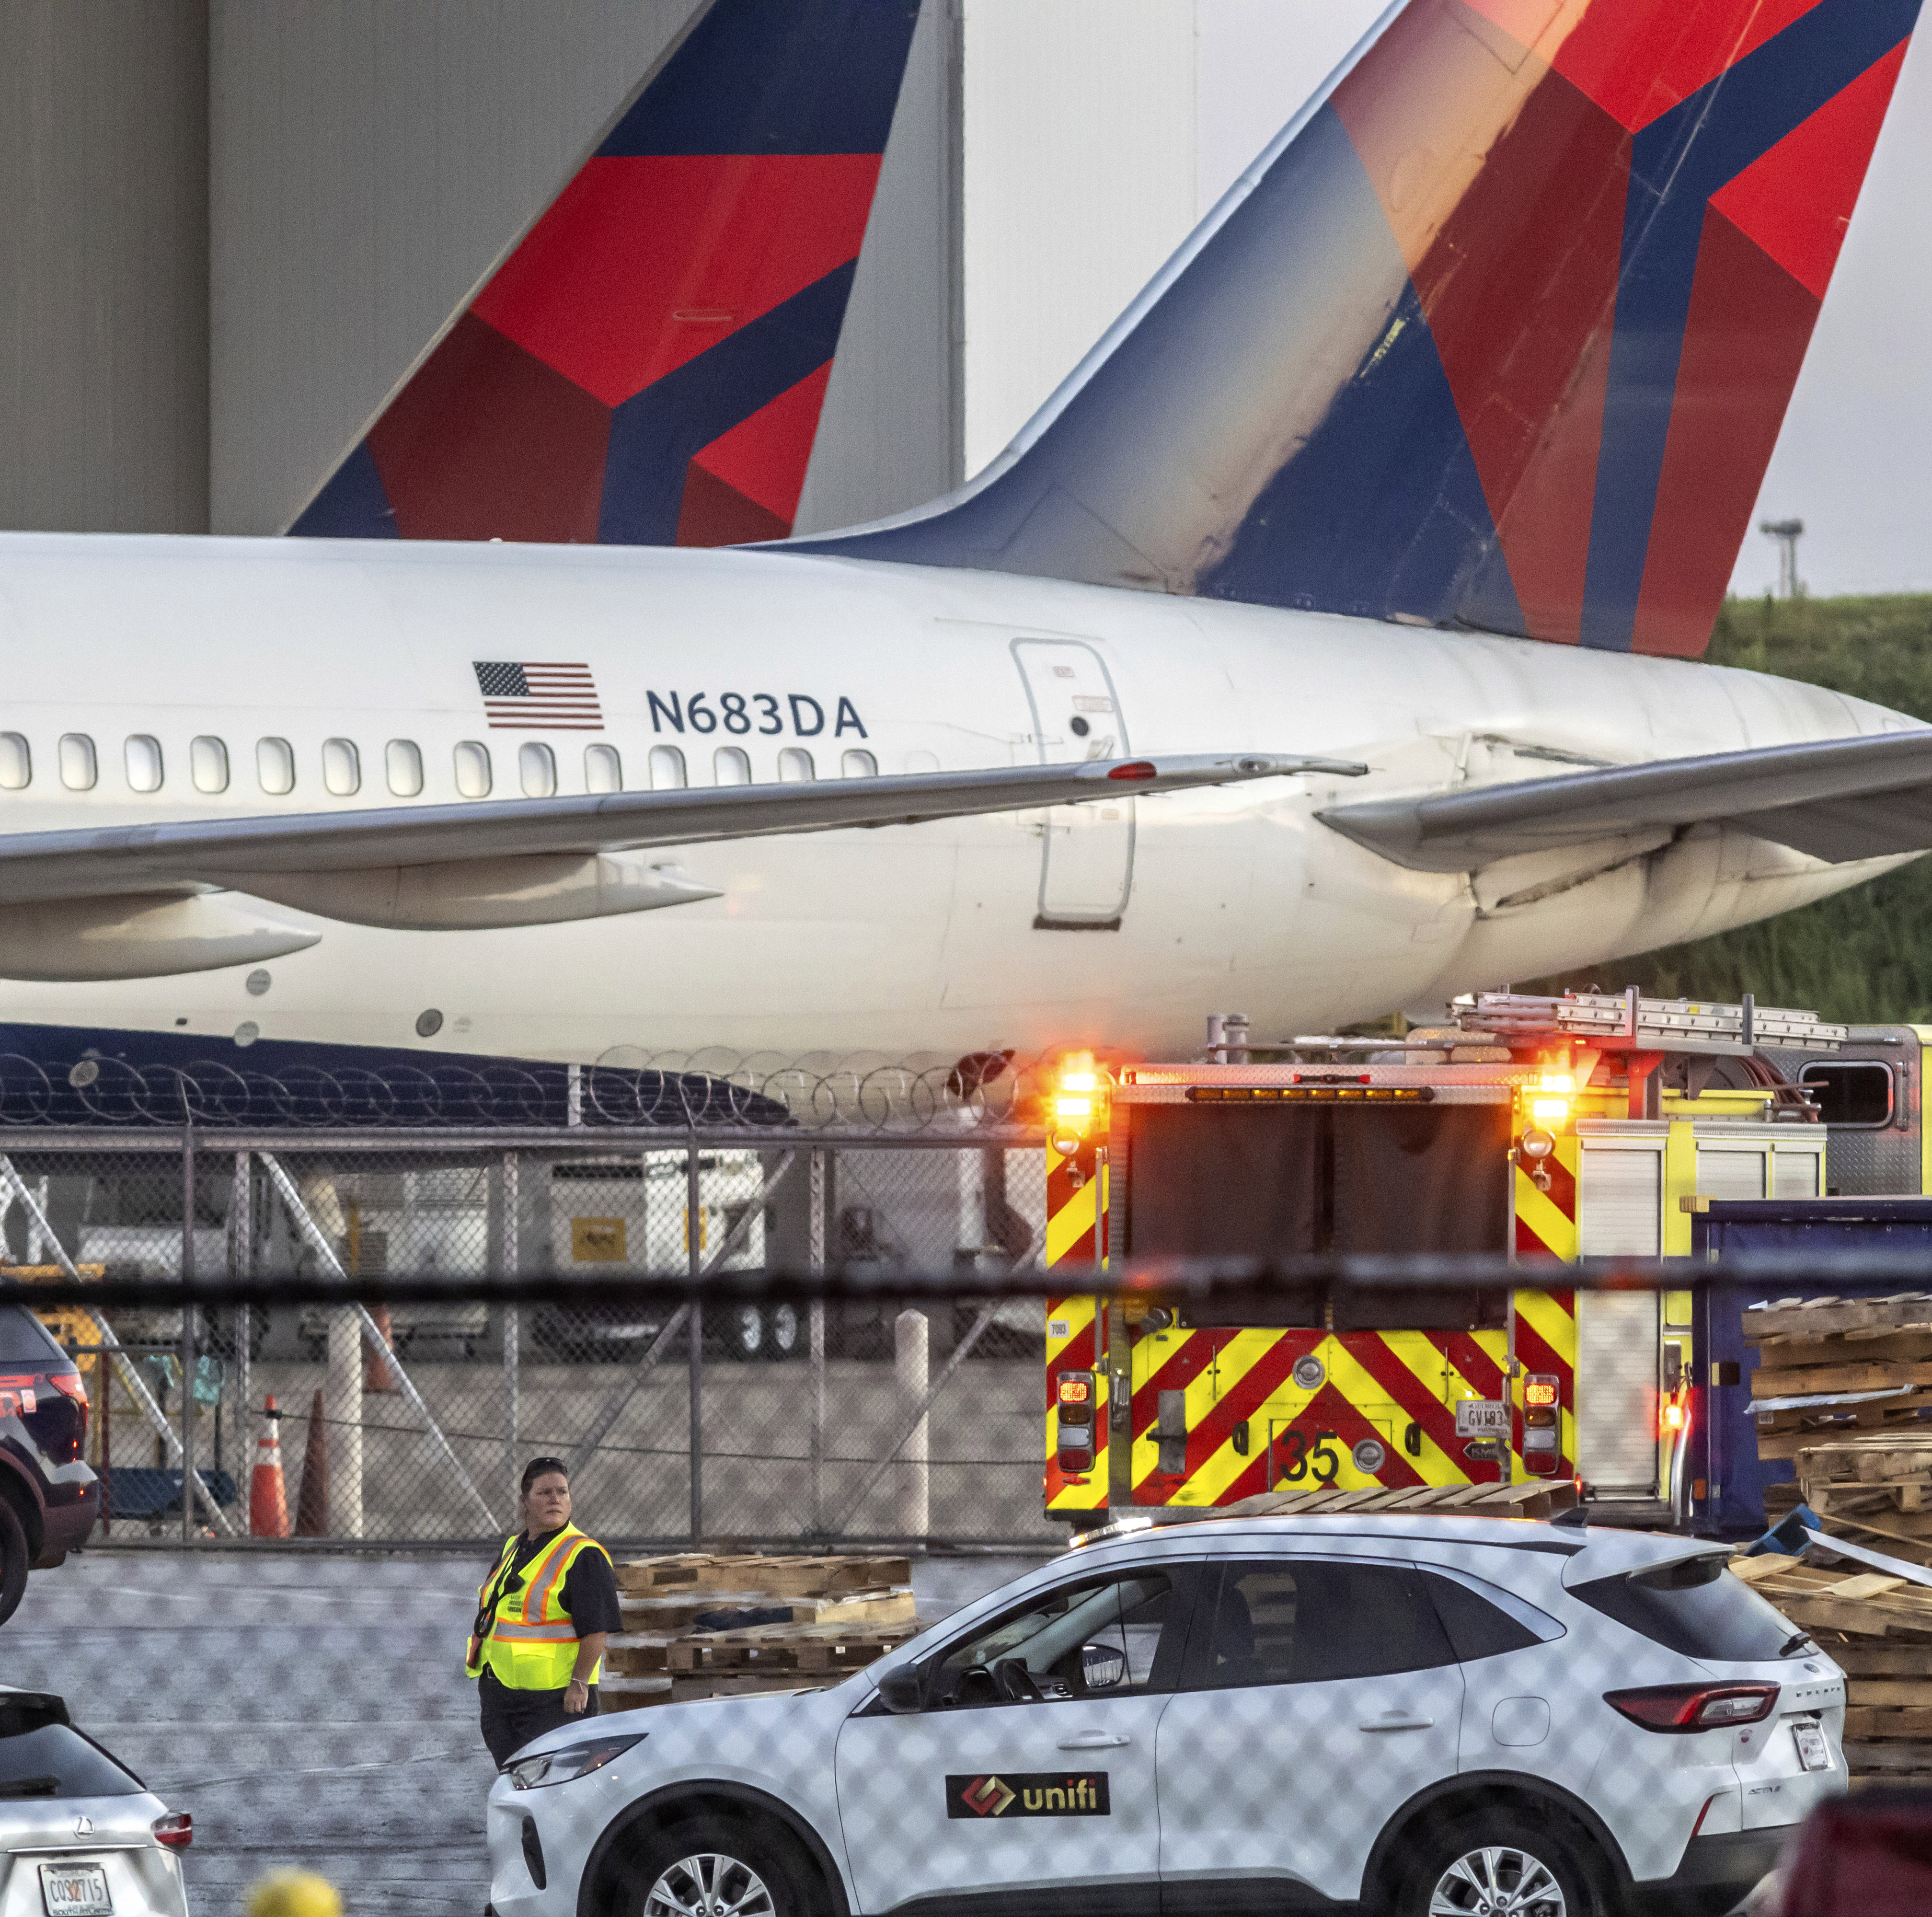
[1325, 1459]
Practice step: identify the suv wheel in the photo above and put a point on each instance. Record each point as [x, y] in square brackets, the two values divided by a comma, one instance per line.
[718, 1866]
[14, 1559]
[1499, 1865]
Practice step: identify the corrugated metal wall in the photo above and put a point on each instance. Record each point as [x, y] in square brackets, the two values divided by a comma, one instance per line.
[104, 265]
[369, 163]
[1079, 171]
[890, 435]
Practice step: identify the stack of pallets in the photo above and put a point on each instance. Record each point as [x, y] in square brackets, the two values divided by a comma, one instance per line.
[703, 1624]
[1829, 1366]
[1879, 1629]
[1873, 1486]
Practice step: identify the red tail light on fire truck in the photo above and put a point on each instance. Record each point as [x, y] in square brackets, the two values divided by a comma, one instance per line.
[1542, 1421]
[1074, 1397]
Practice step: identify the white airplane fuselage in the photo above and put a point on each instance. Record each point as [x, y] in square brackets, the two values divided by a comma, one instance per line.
[930, 938]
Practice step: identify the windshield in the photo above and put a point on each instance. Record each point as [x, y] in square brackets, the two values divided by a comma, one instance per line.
[54, 1760]
[1694, 1606]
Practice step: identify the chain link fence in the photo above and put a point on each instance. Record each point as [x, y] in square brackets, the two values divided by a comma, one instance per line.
[769, 1420]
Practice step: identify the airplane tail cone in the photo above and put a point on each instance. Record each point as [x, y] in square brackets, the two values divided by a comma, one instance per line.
[267, 1496]
[312, 1504]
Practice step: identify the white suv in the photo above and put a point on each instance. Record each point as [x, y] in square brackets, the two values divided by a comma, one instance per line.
[1428, 1716]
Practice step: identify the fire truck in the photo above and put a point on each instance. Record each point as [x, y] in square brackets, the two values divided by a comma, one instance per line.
[1545, 1128]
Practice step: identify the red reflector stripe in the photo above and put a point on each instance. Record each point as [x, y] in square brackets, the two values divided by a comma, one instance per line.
[1135, 769]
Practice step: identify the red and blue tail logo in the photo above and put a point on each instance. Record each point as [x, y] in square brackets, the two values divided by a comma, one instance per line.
[648, 365]
[1499, 334]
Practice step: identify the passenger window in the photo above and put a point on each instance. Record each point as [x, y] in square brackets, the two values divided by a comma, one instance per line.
[732, 765]
[16, 761]
[341, 767]
[667, 769]
[795, 765]
[402, 759]
[275, 765]
[536, 768]
[603, 770]
[1476, 1628]
[76, 762]
[859, 765]
[472, 770]
[208, 764]
[142, 756]
[1104, 1637]
[1313, 1621]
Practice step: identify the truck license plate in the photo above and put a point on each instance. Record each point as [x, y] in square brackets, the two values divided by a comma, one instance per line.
[75, 1890]
[1482, 1418]
[1813, 1753]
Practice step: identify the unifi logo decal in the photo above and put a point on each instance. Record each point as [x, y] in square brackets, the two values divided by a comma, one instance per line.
[1028, 1794]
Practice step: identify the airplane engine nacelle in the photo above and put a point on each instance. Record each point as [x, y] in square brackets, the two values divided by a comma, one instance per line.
[139, 936]
[475, 895]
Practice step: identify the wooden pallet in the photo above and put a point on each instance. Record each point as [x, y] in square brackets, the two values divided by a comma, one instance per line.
[691, 1572]
[675, 1616]
[1531, 1501]
[1797, 1319]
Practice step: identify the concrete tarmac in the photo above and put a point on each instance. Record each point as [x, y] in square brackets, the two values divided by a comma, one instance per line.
[308, 1712]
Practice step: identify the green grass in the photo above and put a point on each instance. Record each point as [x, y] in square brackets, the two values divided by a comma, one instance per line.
[1865, 956]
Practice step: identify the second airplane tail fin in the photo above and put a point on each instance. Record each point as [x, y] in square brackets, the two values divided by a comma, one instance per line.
[1499, 332]
[648, 364]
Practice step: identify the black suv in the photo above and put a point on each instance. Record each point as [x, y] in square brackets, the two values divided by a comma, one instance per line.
[49, 1494]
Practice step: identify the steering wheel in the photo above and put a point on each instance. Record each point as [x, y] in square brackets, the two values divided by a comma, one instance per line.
[1015, 1682]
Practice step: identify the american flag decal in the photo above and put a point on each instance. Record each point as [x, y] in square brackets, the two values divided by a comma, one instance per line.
[539, 696]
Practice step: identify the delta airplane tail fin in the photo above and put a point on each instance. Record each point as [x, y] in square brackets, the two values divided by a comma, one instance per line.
[648, 364]
[1498, 333]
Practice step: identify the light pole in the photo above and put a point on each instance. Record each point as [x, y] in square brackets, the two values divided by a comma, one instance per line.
[1786, 532]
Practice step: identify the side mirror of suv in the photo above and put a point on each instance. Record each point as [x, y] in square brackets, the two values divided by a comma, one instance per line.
[901, 1692]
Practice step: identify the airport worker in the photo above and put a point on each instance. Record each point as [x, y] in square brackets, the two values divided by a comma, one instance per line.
[542, 1619]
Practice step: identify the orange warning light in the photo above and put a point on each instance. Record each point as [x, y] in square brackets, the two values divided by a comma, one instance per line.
[1536, 1392]
[1075, 1391]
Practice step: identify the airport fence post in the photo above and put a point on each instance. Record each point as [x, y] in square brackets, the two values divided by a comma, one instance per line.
[241, 1264]
[512, 1325]
[912, 1355]
[816, 1336]
[187, 1336]
[693, 1253]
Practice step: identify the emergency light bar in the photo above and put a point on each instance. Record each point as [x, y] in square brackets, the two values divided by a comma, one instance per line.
[1310, 1094]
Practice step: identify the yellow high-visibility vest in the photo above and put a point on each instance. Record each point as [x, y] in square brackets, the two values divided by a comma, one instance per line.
[532, 1643]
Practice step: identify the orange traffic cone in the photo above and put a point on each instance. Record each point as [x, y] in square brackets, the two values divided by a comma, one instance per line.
[376, 1374]
[312, 1503]
[268, 1499]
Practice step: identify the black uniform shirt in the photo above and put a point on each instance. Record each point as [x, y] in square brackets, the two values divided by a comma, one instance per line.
[589, 1593]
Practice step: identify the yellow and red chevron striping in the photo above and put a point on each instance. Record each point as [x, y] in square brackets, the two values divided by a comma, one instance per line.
[1418, 1398]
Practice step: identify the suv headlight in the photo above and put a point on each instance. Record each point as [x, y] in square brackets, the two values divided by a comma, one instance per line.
[574, 1760]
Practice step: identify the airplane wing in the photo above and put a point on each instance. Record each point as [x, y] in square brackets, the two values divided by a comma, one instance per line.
[275, 856]
[1841, 800]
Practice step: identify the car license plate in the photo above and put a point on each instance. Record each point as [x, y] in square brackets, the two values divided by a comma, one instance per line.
[1813, 1753]
[75, 1890]
[1482, 1418]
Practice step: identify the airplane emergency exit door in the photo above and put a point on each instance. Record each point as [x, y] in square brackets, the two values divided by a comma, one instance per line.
[1087, 862]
